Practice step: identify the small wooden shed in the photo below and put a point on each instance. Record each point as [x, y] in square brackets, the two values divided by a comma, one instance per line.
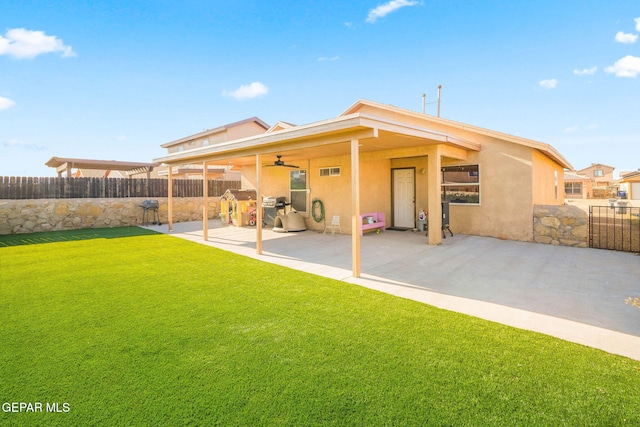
[237, 207]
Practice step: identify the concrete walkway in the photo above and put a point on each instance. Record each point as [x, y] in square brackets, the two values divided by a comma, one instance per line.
[570, 293]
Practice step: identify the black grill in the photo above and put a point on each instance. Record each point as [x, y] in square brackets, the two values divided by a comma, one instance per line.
[150, 205]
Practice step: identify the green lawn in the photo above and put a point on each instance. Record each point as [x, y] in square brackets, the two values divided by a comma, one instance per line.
[153, 330]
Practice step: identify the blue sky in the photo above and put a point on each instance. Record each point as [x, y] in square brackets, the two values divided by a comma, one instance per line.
[113, 80]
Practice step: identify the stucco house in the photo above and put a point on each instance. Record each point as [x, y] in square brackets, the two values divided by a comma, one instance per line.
[602, 175]
[603, 184]
[631, 181]
[577, 186]
[380, 158]
[221, 134]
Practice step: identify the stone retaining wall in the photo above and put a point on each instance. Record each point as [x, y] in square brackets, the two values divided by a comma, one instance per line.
[30, 216]
[560, 225]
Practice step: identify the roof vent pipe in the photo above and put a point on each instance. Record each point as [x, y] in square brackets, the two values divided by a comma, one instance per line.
[424, 101]
[439, 88]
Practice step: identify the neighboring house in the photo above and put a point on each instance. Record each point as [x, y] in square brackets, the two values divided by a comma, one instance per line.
[232, 131]
[602, 182]
[237, 130]
[380, 158]
[631, 181]
[577, 186]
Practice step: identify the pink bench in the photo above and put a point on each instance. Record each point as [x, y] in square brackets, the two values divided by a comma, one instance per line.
[371, 221]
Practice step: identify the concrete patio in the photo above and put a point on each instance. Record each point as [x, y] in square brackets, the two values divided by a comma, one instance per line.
[571, 293]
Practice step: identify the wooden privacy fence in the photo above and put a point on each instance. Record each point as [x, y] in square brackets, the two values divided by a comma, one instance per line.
[16, 188]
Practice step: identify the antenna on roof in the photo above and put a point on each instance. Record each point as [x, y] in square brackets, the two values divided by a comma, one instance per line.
[439, 88]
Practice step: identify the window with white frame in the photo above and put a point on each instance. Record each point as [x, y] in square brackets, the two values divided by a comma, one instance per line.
[333, 171]
[573, 187]
[461, 184]
[598, 173]
[298, 190]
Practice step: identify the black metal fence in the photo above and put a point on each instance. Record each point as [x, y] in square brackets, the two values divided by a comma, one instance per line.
[17, 188]
[615, 227]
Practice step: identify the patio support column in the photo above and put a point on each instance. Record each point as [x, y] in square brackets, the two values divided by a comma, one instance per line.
[258, 205]
[170, 199]
[356, 222]
[205, 203]
[434, 184]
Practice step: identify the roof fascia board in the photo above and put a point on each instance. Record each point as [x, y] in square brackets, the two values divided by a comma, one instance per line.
[251, 148]
[417, 131]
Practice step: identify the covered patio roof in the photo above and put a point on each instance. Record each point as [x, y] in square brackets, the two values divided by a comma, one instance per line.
[63, 164]
[322, 139]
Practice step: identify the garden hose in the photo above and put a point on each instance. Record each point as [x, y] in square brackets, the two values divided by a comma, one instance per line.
[314, 204]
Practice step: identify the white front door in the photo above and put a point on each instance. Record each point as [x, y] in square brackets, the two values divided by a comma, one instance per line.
[404, 198]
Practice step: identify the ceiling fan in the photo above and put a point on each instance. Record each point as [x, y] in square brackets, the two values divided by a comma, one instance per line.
[281, 162]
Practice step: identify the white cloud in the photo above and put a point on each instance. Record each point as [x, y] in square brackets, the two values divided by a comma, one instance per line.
[6, 103]
[572, 129]
[327, 58]
[585, 72]
[548, 84]
[251, 90]
[637, 24]
[385, 9]
[626, 37]
[21, 43]
[23, 144]
[629, 66]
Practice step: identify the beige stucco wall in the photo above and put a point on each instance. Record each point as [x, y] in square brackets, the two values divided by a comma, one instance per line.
[545, 191]
[333, 191]
[244, 130]
[512, 179]
[506, 193]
